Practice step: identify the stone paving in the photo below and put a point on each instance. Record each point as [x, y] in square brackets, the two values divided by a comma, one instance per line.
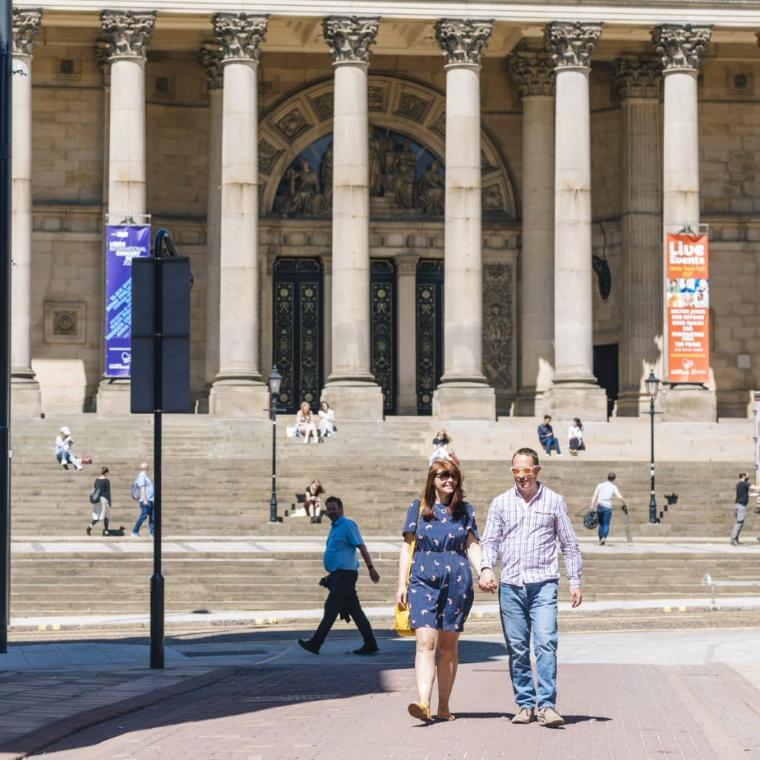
[257, 695]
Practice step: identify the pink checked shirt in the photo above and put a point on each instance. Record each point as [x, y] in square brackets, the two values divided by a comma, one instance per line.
[526, 535]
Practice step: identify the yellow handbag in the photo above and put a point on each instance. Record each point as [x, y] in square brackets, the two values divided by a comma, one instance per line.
[402, 626]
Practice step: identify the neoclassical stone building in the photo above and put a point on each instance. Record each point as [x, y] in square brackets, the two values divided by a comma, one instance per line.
[456, 211]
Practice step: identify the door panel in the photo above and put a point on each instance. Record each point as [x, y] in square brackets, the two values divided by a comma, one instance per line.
[429, 309]
[383, 330]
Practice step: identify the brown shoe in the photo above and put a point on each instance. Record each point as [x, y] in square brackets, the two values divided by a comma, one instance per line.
[549, 717]
[524, 715]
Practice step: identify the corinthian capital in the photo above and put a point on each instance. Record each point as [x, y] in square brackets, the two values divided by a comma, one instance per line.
[210, 58]
[240, 35]
[638, 77]
[570, 43]
[463, 40]
[533, 73]
[26, 25]
[680, 45]
[127, 34]
[350, 37]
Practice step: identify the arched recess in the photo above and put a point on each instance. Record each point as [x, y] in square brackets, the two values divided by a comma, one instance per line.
[399, 105]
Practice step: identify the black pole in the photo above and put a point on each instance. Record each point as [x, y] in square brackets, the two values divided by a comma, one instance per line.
[6, 67]
[157, 579]
[273, 499]
[652, 500]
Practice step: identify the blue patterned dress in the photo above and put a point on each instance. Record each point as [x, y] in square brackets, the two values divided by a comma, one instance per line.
[440, 588]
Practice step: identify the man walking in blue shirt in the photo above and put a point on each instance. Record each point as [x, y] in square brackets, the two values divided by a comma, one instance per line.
[342, 565]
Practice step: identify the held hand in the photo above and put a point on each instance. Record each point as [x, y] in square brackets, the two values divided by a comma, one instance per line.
[487, 581]
[401, 596]
[374, 575]
[576, 597]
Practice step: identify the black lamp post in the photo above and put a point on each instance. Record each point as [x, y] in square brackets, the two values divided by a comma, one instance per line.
[275, 380]
[653, 385]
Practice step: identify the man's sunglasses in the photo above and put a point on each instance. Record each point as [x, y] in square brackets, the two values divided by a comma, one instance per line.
[446, 475]
[523, 470]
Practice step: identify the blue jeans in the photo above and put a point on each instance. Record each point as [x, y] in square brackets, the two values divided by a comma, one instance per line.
[605, 518]
[549, 444]
[146, 510]
[526, 609]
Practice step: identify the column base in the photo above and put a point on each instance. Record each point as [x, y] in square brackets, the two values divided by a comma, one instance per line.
[462, 400]
[114, 397]
[632, 404]
[686, 403]
[239, 398]
[406, 404]
[567, 400]
[26, 399]
[530, 403]
[354, 400]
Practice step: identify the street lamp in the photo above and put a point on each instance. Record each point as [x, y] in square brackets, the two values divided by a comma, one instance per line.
[653, 385]
[275, 380]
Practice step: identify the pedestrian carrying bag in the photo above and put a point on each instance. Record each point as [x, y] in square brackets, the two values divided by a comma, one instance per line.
[402, 625]
[135, 491]
[95, 495]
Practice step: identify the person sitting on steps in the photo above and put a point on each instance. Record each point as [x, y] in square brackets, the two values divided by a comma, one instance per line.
[305, 424]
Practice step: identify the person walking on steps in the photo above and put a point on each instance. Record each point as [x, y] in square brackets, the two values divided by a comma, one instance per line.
[601, 501]
[342, 566]
[740, 506]
[142, 491]
[524, 526]
[100, 498]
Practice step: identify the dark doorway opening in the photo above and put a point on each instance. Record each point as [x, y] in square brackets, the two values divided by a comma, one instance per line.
[429, 309]
[383, 329]
[607, 373]
[298, 340]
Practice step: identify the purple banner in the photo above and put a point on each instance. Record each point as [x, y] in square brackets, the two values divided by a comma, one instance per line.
[123, 243]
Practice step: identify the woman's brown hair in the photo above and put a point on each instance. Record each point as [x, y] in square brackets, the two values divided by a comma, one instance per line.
[428, 499]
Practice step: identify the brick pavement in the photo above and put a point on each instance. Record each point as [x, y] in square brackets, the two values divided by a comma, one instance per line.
[342, 712]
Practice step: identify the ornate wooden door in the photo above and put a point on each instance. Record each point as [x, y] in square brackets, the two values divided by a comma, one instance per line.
[383, 329]
[429, 308]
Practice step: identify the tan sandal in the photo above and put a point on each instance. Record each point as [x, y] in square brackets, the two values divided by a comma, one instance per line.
[445, 715]
[420, 710]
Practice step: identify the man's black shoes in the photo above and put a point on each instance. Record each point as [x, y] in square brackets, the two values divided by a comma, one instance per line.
[308, 646]
[366, 650]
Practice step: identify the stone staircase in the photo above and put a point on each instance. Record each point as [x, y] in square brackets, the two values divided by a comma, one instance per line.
[217, 480]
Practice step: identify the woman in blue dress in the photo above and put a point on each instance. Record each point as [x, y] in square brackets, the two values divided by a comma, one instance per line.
[440, 590]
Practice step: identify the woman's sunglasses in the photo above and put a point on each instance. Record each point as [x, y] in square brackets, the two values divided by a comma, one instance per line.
[446, 475]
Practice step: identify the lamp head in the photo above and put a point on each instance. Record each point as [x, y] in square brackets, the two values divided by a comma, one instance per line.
[275, 381]
[652, 384]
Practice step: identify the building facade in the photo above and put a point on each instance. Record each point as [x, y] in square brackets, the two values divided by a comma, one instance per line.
[407, 213]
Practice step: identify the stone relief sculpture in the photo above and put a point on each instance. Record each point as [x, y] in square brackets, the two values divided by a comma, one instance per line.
[432, 190]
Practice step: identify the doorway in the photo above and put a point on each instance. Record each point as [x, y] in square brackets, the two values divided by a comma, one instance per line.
[297, 325]
[607, 373]
[429, 319]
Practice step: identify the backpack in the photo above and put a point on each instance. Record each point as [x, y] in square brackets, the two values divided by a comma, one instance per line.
[135, 491]
[95, 495]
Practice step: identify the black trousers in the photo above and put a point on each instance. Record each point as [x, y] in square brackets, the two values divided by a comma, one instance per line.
[342, 597]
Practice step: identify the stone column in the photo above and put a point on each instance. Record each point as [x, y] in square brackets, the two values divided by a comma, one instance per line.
[125, 36]
[533, 74]
[25, 390]
[575, 391]
[680, 48]
[351, 389]
[464, 392]
[238, 389]
[211, 63]
[638, 84]
[406, 317]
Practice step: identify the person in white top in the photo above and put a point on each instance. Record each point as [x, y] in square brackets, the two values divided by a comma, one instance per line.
[575, 437]
[326, 422]
[305, 423]
[441, 442]
[602, 501]
[63, 450]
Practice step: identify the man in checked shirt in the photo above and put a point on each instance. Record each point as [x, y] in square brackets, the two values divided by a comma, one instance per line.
[524, 525]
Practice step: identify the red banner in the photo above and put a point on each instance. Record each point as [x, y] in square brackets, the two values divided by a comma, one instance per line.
[688, 308]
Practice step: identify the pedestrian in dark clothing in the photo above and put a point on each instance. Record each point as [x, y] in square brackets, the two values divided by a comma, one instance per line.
[101, 507]
[740, 506]
[342, 565]
[547, 438]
